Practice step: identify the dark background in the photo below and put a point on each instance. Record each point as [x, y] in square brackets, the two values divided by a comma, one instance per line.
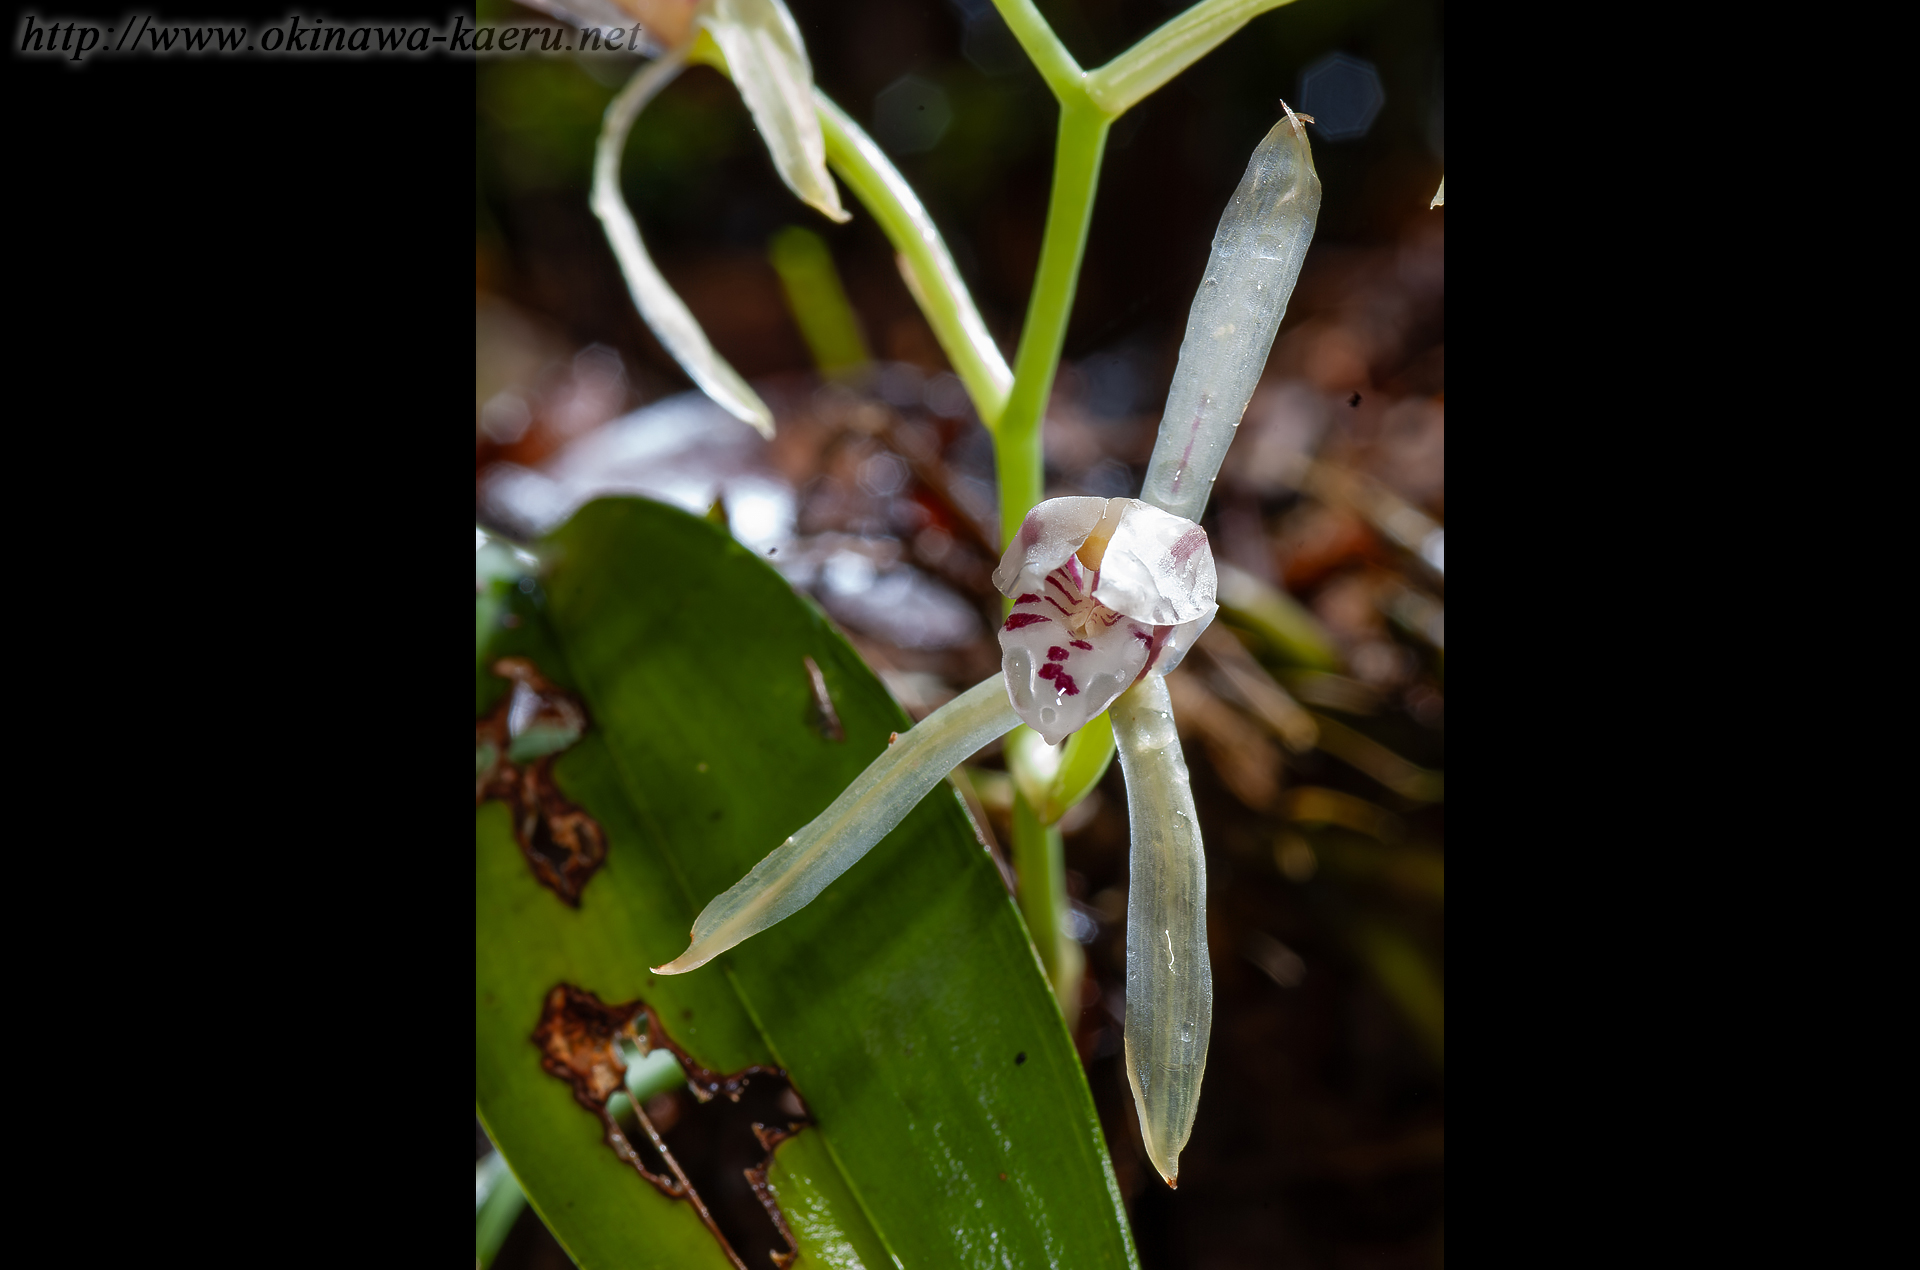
[708, 199]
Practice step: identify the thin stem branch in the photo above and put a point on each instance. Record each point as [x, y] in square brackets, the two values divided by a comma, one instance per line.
[1170, 49]
[1049, 55]
[1076, 176]
[927, 265]
[1039, 862]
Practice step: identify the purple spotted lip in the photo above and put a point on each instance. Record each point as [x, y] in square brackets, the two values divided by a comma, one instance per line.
[1106, 591]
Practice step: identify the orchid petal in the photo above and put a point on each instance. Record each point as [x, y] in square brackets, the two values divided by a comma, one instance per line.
[1254, 264]
[1169, 977]
[835, 840]
[1051, 533]
[1175, 644]
[664, 312]
[767, 62]
[1157, 567]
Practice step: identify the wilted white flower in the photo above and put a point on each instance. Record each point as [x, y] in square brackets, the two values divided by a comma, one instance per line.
[768, 63]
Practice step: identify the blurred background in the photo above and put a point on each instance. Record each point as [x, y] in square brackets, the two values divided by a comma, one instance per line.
[1314, 714]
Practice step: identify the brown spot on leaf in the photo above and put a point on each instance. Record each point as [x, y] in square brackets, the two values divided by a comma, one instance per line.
[580, 1039]
[515, 748]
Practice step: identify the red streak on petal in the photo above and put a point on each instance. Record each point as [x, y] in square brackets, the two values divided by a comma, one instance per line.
[1156, 644]
[1056, 654]
[1142, 636]
[1055, 580]
[1081, 643]
[1061, 680]
[1028, 599]
[1056, 604]
[1018, 620]
[1186, 455]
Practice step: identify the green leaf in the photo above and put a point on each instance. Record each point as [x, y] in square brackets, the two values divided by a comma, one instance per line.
[953, 1125]
[1083, 761]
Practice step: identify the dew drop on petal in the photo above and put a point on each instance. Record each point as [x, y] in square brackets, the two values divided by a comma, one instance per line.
[1104, 687]
[1019, 671]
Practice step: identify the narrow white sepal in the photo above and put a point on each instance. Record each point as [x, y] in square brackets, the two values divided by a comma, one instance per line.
[865, 812]
[1169, 976]
[1250, 275]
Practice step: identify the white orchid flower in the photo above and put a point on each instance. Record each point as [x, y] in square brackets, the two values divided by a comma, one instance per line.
[1108, 594]
[1105, 590]
[767, 60]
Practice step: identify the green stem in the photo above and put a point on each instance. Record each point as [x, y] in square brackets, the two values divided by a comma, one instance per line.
[1076, 177]
[1038, 851]
[1039, 863]
[1049, 55]
[1082, 764]
[927, 265]
[1176, 45]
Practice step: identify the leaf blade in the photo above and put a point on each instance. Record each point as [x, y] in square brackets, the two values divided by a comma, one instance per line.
[898, 1001]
